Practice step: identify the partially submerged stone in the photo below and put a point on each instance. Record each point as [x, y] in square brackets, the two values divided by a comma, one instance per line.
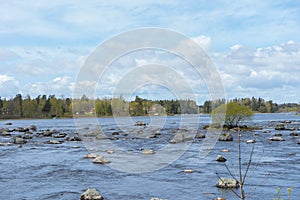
[221, 159]
[226, 137]
[148, 151]
[140, 123]
[101, 160]
[276, 138]
[91, 194]
[188, 171]
[280, 126]
[227, 183]
[250, 141]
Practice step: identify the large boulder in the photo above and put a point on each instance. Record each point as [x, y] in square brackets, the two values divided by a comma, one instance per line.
[227, 183]
[91, 194]
[226, 137]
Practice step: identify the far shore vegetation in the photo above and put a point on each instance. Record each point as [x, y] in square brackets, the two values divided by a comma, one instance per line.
[50, 106]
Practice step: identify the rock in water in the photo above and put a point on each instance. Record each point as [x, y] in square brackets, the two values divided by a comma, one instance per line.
[19, 140]
[188, 171]
[276, 138]
[221, 159]
[140, 123]
[226, 137]
[91, 194]
[101, 160]
[54, 142]
[32, 128]
[280, 126]
[148, 151]
[250, 141]
[227, 183]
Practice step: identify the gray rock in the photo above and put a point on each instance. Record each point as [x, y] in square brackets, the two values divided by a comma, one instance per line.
[226, 137]
[280, 126]
[275, 138]
[200, 136]
[227, 183]
[266, 131]
[101, 160]
[77, 137]
[180, 137]
[221, 159]
[295, 134]
[298, 142]
[140, 123]
[21, 129]
[47, 133]
[19, 140]
[188, 171]
[115, 133]
[250, 141]
[278, 134]
[60, 135]
[32, 127]
[148, 151]
[5, 134]
[91, 194]
[27, 136]
[91, 155]
[8, 124]
[54, 142]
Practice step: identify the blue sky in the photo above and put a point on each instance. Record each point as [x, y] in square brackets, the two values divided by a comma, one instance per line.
[254, 44]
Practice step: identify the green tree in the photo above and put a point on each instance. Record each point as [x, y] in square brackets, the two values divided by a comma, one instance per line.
[235, 113]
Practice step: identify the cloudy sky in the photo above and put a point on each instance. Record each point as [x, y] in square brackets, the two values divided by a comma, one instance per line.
[255, 45]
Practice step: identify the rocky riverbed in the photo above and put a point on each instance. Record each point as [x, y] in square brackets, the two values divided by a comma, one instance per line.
[47, 159]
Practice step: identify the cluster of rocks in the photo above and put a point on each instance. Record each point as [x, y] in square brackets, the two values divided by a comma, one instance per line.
[22, 135]
[97, 159]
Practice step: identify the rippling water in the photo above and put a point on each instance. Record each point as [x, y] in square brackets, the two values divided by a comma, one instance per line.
[48, 171]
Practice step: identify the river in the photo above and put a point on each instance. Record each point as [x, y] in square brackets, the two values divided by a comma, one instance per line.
[39, 170]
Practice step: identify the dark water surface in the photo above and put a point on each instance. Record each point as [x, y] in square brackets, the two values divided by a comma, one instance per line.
[47, 171]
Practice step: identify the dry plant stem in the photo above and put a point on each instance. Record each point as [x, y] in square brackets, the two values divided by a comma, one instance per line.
[240, 167]
[249, 163]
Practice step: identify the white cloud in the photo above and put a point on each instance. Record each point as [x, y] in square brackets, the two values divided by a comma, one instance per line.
[203, 41]
[258, 72]
[9, 86]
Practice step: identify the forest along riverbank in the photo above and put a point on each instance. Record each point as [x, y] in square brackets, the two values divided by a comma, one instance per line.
[46, 159]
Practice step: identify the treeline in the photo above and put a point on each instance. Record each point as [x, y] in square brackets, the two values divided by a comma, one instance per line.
[258, 105]
[44, 106]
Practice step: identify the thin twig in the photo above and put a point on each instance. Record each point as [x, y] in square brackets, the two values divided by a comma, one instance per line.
[230, 172]
[249, 163]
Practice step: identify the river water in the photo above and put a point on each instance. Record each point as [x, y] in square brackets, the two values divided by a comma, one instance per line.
[39, 170]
